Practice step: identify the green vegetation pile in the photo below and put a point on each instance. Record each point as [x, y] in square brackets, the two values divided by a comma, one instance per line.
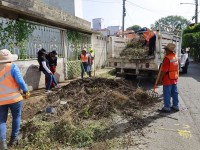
[135, 49]
[78, 110]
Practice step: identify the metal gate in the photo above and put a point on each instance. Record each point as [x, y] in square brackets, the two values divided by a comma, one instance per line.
[43, 36]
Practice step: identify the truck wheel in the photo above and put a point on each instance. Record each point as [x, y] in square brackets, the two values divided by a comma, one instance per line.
[185, 68]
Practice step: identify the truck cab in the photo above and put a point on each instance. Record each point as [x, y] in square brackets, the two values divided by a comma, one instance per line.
[184, 61]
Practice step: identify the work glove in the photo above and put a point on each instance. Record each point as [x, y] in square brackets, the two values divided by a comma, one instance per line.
[26, 95]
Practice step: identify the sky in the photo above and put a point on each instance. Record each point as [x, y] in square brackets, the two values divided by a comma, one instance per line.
[138, 12]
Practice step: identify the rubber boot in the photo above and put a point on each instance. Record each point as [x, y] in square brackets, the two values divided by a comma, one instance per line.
[3, 145]
[13, 141]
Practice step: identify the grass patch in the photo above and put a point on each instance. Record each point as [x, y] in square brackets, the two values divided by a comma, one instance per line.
[109, 74]
[37, 134]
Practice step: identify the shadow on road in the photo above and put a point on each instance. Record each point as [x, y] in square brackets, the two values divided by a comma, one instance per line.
[135, 124]
[193, 71]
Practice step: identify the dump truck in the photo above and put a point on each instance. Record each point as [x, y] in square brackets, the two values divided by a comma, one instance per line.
[139, 65]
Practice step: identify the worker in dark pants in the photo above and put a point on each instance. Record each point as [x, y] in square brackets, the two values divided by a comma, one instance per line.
[91, 57]
[150, 39]
[84, 57]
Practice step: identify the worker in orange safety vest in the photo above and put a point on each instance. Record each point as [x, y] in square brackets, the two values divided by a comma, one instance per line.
[85, 60]
[168, 78]
[11, 82]
[150, 39]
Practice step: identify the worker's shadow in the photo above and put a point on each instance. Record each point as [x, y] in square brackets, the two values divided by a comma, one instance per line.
[32, 77]
[135, 124]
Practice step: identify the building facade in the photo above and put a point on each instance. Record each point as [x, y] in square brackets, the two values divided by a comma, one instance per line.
[113, 30]
[97, 24]
[73, 7]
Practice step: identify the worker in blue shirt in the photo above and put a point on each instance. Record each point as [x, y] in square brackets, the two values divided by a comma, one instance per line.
[11, 82]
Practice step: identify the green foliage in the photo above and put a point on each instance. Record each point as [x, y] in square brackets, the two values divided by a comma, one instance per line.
[191, 38]
[134, 28]
[176, 22]
[37, 134]
[15, 34]
[75, 38]
[33, 134]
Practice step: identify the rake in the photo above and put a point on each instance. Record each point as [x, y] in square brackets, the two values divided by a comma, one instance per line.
[153, 92]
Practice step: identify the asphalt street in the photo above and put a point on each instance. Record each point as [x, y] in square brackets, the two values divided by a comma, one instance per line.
[180, 130]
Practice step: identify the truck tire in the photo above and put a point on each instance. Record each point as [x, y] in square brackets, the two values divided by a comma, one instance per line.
[185, 68]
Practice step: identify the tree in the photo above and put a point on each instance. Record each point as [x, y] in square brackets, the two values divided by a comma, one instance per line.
[134, 28]
[175, 22]
[191, 38]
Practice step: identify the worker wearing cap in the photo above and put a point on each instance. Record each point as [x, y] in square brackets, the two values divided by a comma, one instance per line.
[168, 78]
[85, 60]
[11, 82]
[150, 39]
[45, 68]
[52, 59]
[91, 57]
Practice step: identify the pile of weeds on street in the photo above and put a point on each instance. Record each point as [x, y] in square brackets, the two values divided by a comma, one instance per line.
[79, 114]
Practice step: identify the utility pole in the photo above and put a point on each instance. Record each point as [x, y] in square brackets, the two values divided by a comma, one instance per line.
[196, 11]
[123, 17]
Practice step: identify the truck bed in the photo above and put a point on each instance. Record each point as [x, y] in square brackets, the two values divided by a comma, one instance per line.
[133, 66]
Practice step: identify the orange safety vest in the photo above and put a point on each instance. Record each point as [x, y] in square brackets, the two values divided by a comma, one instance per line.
[173, 66]
[9, 89]
[84, 58]
[148, 34]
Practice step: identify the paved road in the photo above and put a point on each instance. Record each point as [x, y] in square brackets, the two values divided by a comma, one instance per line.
[178, 131]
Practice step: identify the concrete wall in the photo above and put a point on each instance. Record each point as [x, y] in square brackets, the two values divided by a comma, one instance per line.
[99, 45]
[66, 5]
[37, 11]
[33, 77]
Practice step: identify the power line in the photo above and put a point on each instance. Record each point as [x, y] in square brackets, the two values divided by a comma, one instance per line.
[153, 11]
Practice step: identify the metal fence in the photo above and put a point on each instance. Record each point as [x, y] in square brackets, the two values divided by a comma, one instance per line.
[42, 36]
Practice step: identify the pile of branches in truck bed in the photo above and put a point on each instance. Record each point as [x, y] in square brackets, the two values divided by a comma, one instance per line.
[135, 49]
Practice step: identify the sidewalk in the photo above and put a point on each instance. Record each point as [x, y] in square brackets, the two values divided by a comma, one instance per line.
[176, 131]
